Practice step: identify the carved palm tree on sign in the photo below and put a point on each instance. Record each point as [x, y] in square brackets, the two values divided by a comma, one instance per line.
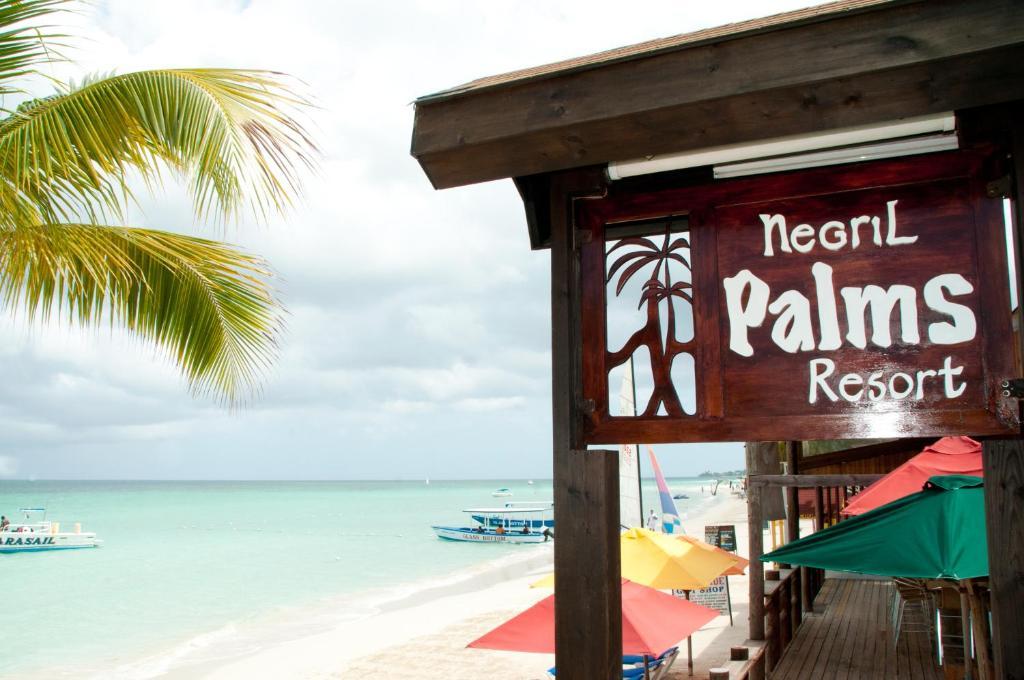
[642, 253]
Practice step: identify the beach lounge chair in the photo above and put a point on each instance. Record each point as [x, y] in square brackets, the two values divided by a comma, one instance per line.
[633, 665]
[657, 668]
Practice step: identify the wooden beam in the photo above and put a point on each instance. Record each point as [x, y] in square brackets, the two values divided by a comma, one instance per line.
[1004, 519]
[588, 590]
[910, 446]
[808, 481]
[896, 60]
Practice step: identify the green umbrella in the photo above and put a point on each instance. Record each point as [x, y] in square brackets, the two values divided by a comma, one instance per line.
[938, 532]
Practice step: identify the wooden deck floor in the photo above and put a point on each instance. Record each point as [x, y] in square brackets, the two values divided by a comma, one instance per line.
[848, 638]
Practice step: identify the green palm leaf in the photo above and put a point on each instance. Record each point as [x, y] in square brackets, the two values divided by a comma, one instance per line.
[66, 165]
[207, 303]
[230, 132]
[22, 45]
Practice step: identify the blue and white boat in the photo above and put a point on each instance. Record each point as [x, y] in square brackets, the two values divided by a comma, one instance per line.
[500, 525]
[538, 523]
[36, 534]
[502, 492]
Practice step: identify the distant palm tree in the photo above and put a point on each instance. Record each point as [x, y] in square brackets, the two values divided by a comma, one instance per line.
[66, 162]
[657, 289]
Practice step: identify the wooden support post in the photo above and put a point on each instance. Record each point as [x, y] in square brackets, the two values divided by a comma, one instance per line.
[792, 493]
[588, 610]
[588, 589]
[819, 509]
[982, 635]
[828, 506]
[1004, 515]
[1004, 470]
[819, 524]
[756, 452]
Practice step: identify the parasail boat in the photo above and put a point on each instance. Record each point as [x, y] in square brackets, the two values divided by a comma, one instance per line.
[503, 492]
[36, 534]
[500, 525]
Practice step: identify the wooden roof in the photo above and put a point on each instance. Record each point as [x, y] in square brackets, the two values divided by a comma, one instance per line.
[844, 64]
[651, 47]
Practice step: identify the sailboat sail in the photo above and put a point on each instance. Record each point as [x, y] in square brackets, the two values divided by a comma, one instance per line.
[631, 513]
[670, 522]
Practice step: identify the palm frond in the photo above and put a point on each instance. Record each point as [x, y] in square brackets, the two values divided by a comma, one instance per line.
[232, 133]
[206, 303]
[631, 270]
[22, 40]
[622, 260]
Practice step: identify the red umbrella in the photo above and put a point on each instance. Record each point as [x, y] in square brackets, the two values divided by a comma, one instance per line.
[652, 621]
[948, 456]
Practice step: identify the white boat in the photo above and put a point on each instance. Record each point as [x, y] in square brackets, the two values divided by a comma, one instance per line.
[503, 492]
[500, 525]
[36, 534]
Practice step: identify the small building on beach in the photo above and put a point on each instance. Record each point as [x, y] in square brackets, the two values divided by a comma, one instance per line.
[804, 227]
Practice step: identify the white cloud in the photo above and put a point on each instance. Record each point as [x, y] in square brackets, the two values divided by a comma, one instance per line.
[416, 316]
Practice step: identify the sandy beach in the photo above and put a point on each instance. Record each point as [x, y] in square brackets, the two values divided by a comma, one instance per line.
[424, 636]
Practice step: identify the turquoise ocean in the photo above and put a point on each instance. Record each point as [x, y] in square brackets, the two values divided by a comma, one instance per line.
[193, 566]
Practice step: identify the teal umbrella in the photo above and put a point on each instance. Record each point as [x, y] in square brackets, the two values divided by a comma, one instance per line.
[938, 532]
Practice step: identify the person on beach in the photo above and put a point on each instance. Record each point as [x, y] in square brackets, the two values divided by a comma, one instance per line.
[652, 521]
[526, 528]
[500, 530]
[4, 523]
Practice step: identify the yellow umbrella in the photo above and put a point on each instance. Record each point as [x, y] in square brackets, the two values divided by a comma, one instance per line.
[663, 562]
[735, 570]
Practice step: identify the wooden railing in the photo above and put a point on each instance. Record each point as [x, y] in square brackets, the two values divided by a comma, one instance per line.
[788, 594]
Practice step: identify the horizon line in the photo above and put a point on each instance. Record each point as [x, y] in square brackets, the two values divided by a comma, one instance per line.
[367, 479]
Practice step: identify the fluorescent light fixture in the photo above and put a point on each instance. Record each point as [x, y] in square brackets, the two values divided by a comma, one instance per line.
[780, 146]
[849, 154]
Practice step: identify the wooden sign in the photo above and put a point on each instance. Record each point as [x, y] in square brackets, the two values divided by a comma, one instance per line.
[854, 302]
[716, 595]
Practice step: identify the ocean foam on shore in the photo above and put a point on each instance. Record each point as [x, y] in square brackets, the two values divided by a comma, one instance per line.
[340, 616]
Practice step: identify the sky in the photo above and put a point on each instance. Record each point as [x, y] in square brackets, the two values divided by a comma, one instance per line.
[418, 320]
